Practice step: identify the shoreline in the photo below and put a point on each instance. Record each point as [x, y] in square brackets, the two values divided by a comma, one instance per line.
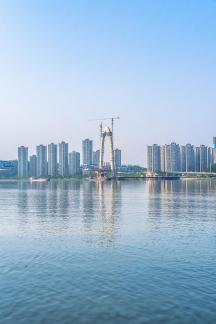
[27, 180]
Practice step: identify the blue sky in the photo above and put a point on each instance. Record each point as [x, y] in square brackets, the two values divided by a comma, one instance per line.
[63, 62]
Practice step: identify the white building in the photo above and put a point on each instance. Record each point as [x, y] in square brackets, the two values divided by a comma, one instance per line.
[22, 162]
[190, 158]
[153, 158]
[52, 160]
[33, 166]
[74, 163]
[87, 153]
[63, 159]
[203, 158]
[41, 160]
[96, 158]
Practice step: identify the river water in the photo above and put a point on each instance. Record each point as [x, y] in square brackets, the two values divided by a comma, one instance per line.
[126, 252]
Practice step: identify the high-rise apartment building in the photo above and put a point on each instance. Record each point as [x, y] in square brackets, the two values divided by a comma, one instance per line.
[190, 158]
[203, 158]
[156, 158]
[52, 160]
[168, 167]
[162, 158]
[210, 158]
[33, 166]
[153, 158]
[117, 158]
[170, 158]
[175, 157]
[63, 159]
[96, 158]
[41, 160]
[74, 163]
[87, 153]
[149, 158]
[22, 162]
[213, 155]
[183, 158]
[197, 158]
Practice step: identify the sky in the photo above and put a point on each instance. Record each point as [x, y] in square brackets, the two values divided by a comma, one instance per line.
[66, 62]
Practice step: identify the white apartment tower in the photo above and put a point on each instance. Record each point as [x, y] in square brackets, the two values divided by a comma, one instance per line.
[22, 162]
[87, 153]
[52, 160]
[63, 159]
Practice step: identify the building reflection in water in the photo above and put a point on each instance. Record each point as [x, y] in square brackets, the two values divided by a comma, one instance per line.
[40, 199]
[53, 198]
[30, 202]
[63, 187]
[63, 197]
[88, 204]
[181, 196]
[182, 186]
[22, 201]
[75, 187]
[50, 203]
[70, 204]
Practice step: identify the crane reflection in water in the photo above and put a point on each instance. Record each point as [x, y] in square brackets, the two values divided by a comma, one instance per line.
[109, 201]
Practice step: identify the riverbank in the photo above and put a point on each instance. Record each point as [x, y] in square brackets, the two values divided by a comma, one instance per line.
[121, 177]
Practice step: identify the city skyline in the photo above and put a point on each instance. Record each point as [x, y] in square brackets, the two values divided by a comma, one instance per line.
[160, 158]
[180, 158]
[95, 149]
[152, 64]
[56, 160]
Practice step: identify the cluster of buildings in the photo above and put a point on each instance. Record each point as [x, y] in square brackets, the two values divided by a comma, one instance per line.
[8, 168]
[180, 158]
[55, 160]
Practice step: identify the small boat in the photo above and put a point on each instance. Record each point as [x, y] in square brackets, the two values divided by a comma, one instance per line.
[39, 179]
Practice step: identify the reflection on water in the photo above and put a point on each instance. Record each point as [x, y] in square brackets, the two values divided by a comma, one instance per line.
[108, 252]
[97, 206]
[182, 186]
[88, 204]
[94, 202]
[181, 198]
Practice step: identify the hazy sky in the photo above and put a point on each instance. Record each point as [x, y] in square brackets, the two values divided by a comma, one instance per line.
[63, 62]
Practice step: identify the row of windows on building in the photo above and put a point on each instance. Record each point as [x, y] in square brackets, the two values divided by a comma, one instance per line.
[180, 158]
[55, 160]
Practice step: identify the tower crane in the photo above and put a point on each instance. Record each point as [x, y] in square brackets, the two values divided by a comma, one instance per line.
[111, 119]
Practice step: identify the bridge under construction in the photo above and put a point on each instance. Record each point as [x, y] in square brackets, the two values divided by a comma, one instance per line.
[107, 132]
